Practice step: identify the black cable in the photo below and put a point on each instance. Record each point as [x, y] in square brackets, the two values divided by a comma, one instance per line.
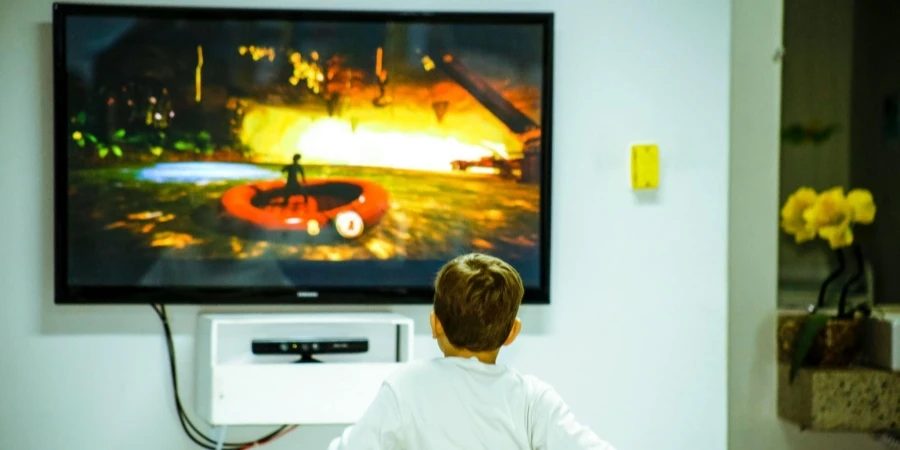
[186, 424]
[182, 417]
[182, 414]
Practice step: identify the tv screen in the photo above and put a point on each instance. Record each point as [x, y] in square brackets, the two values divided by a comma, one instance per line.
[261, 156]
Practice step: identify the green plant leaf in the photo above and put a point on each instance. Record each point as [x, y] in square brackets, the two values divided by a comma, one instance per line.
[102, 151]
[91, 137]
[156, 151]
[805, 339]
[793, 134]
[184, 145]
[80, 118]
[80, 143]
[820, 136]
[117, 150]
[120, 133]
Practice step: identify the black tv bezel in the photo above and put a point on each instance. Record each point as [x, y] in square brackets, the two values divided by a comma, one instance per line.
[64, 293]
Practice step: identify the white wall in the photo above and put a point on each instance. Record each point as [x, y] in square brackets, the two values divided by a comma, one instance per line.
[752, 243]
[635, 338]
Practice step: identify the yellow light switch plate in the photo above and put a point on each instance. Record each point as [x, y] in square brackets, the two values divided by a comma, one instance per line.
[645, 166]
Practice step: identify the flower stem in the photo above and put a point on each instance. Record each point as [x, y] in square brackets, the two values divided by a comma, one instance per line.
[833, 276]
[842, 306]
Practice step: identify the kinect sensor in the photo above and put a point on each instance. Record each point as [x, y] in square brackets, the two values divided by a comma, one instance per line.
[306, 348]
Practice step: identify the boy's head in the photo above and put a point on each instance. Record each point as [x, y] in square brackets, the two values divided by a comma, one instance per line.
[476, 301]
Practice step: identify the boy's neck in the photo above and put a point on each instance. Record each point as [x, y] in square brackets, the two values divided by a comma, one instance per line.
[489, 357]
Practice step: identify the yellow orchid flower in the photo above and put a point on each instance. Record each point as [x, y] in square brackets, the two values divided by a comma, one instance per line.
[830, 209]
[838, 236]
[792, 215]
[832, 215]
[863, 206]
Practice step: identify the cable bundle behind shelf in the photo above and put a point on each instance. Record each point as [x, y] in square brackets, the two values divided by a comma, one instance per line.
[191, 430]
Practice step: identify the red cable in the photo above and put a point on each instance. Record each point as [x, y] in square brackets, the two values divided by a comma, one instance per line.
[261, 443]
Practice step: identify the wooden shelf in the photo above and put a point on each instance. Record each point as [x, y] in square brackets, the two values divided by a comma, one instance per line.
[857, 400]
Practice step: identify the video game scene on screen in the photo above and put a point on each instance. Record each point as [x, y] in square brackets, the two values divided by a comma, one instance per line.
[300, 141]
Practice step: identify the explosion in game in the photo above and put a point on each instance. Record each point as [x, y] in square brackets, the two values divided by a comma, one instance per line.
[362, 153]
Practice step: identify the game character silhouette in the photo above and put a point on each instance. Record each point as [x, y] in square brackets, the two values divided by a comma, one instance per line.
[291, 186]
[383, 98]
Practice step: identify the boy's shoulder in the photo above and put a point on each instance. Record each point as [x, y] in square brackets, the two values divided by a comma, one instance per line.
[438, 370]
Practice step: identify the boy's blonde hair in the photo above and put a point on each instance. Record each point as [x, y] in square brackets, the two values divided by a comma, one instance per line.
[476, 299]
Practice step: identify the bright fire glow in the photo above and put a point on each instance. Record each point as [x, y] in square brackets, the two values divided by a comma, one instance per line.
[410, 134]
[500, 149]
[333, 142]
[483, 170]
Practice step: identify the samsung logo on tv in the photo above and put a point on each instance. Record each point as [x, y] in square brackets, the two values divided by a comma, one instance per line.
[307, 294]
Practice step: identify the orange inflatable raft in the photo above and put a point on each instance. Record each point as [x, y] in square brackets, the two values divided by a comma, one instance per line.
[349, 206]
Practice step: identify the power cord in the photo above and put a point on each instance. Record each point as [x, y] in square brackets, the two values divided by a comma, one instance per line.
[187, 425]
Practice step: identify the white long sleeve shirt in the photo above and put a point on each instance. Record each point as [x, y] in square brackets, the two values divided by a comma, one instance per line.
[464, 404]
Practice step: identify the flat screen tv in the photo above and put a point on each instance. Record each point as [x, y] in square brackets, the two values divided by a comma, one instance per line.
[284, 156]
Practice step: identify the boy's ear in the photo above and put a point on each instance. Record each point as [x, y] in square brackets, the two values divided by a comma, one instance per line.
[514, 332]
[437, 330]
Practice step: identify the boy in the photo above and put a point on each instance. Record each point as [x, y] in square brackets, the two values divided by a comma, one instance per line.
[465, 401]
